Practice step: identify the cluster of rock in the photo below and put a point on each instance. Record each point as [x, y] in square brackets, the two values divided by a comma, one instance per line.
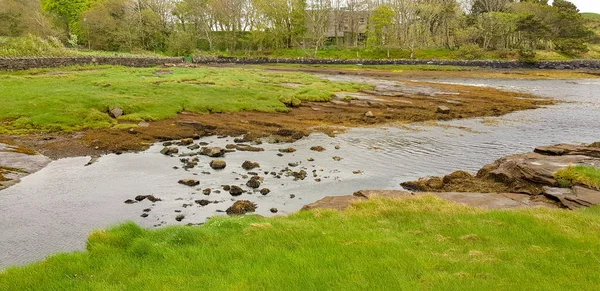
[530, 174]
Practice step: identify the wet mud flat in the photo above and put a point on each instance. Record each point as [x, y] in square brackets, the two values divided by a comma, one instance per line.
[54, 209]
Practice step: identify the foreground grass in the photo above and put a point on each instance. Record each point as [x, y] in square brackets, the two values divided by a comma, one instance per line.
[586, 175]
[415, 244]
[77, 98]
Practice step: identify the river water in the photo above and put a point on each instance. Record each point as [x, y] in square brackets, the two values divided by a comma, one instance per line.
[54, 209]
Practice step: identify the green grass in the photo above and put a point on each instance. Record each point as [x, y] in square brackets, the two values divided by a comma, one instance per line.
[76, 98]
[423, 243]
[586, 175]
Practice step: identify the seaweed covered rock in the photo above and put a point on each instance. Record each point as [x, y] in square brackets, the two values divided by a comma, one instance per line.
[241, 207]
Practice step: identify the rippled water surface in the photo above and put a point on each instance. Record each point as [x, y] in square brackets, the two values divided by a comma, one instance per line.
[54, 209]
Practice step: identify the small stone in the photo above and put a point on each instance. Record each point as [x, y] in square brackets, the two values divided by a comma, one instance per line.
[337, 159]
[218, 164]
[337, 147]
[129, 201]
[235, 191]
[280, 154]
[203, 202]
[147, 210]
[189, 182]
[318, 180]
[169, 151]
[186, 141]
[213, 152]
[287, 150]
[310, 159]
[144, 215]
[167, 143]
[317, 149]
[253, 183]
[116, 112]
[140, 197]
[226, 187]
[295, 164]
[443, 109]
[292, 196]
[273, 210]
[369, 114]
[265, 191]
[248, 165]
[206, 191]
[193, 147]
[357, 172]
[180, 217]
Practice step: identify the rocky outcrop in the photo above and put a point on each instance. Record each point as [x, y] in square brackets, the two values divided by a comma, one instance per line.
[530, 173]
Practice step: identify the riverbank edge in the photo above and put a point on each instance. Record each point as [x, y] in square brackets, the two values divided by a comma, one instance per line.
[23, 63]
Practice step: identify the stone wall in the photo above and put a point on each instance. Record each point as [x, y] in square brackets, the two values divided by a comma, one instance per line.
[28, 63]
[557, 65]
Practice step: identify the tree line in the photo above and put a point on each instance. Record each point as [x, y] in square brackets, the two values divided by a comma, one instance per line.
[181, 27]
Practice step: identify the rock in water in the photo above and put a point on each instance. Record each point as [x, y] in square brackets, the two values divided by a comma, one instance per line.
[241, 207]
[213, 152]
[218, 164]
[186, 142]
[273, 210]
[443, 109]
[317, 149]
[235, 191]
[116, 112]
[189, 182]
[169, 151]
[253, 183]
[287, 150]
[265, 191]
[248, 165]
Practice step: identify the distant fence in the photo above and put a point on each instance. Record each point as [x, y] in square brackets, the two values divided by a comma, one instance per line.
[45, 62]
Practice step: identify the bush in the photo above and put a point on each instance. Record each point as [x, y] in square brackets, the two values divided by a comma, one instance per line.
[470, 52]
[32, 46]
[527, 56]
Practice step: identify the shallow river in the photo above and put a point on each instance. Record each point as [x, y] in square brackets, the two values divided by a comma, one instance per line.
[54, 209]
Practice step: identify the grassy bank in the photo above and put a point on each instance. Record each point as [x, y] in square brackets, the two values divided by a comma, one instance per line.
[417, 244]
[77, 98]
[586, 175]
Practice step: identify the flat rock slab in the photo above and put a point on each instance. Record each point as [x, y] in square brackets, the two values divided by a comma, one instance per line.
[532, 168]
[574, 198]
[480, 200]
[569, 149]
[27, 163]
[333, 202]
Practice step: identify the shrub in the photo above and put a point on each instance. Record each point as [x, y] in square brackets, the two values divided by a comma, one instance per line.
[33, 46]
[470, 52]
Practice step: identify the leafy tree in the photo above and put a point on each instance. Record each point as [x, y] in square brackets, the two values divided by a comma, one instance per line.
[380, 32]
[572, 33]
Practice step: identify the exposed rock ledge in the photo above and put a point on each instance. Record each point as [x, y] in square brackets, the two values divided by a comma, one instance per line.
[481, 200]
[17, 162]
[516, 181]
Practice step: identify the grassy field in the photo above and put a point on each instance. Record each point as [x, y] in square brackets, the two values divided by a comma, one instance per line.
[75, 98]
[579, 174]
[423, 243]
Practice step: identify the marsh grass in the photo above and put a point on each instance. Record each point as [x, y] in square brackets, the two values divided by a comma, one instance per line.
[586, 175]
[423, 243]
[75, 98]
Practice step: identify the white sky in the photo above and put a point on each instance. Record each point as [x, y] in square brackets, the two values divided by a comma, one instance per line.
[587, 5]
